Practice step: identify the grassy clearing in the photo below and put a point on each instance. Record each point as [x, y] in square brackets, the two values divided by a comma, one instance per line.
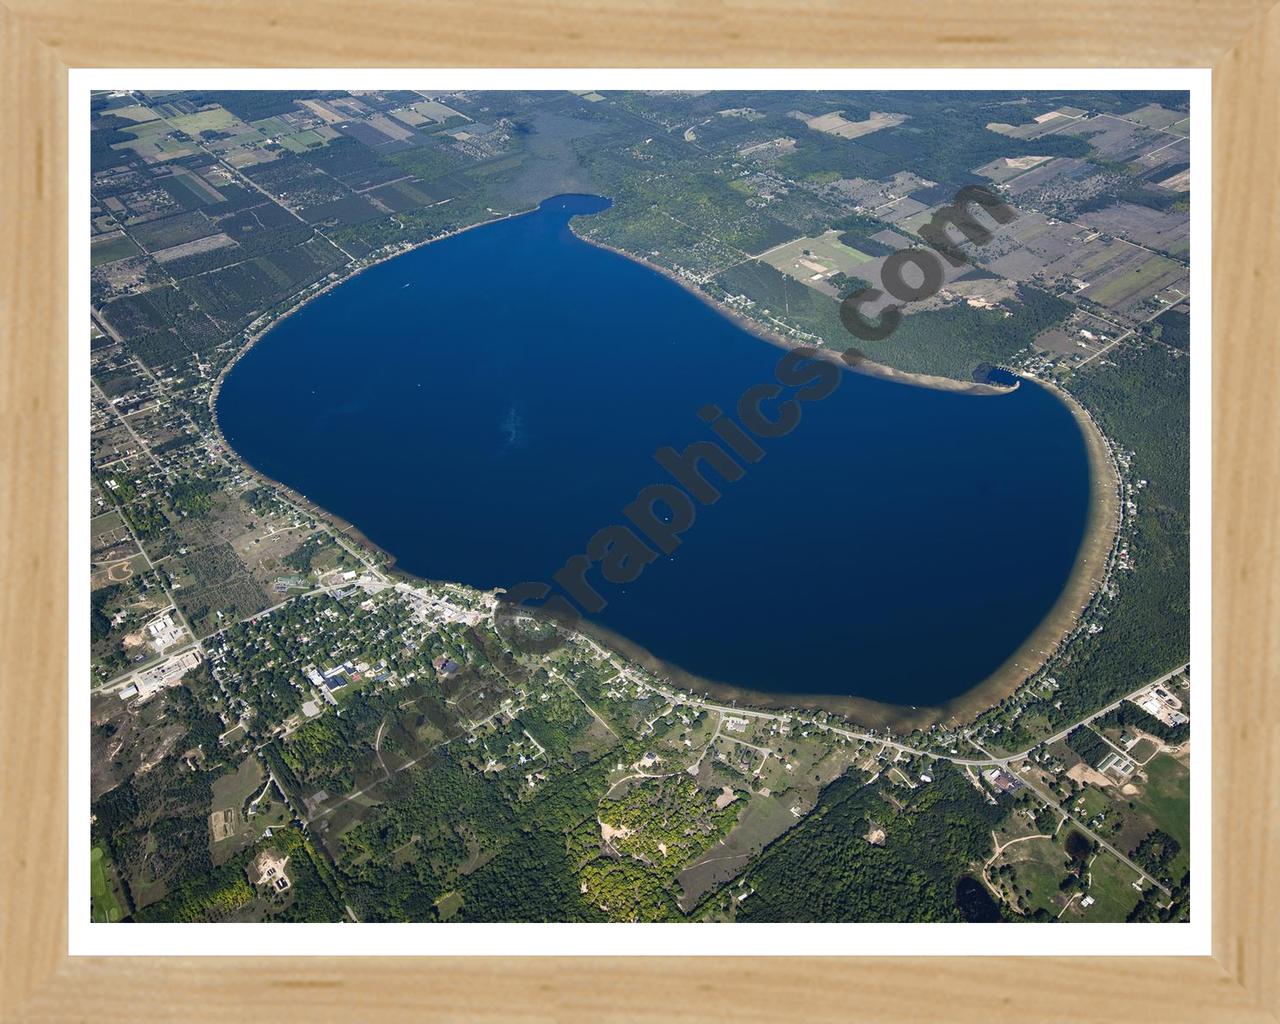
[300, 142]
[1038, 868]
[448, 905]
[110, 248]
[216, 119]
[1167, 797]
[1111, 886]
[1149, 276]
[106, 905]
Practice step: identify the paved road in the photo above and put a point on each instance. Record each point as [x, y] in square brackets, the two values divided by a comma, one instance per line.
[989, 761]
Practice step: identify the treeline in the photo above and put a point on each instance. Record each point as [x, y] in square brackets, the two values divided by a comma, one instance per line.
[1156, 851]
[533, 861]
[947, 342]
[825, 870]
[208, 896]
[1143, 404]
[1091, 747]
[1130, 715]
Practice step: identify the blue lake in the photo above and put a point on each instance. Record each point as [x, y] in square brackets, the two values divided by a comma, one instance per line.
[481, 406]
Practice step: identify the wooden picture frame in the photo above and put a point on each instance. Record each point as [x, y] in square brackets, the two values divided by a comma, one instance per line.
[1239, 39]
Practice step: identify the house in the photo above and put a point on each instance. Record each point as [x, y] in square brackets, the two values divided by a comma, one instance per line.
[446, 666]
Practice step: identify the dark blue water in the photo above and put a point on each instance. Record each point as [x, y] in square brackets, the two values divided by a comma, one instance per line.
[483, 405]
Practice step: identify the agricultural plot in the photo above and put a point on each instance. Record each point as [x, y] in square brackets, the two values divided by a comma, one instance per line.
[1003, 169]
[436, 111]
[1128, 285]
[1060, 173]
[1166, 796]
[171, 231]
[1164, 230]
[195, 247]
[191, 188]
[813, 261]
[112, 247]
[1078, 339]
[1045, 124]
[1116, 139]
[153, 142]
[300, 142]
[836, 124]
[410, 117]
[136, 113]
[1155, 116]
[214, 119]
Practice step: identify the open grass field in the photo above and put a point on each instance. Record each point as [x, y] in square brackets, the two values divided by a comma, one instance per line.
[448, 905]
[109, 248]
[1095, 801]
[763, 821]
[300, 142]
[1111, 886]
[216, 119]
[1167, 797]
[813, 260]
[230, 830]
[106, 904]
[1136, 282]
[137, 113]
[842, 128]
[1038, 864]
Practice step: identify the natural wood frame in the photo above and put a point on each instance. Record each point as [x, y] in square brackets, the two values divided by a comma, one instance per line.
[40, 39]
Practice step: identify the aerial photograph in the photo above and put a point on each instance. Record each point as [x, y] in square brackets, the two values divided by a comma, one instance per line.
[638, 506]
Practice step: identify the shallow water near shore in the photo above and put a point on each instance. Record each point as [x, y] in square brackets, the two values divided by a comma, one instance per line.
[481, 406]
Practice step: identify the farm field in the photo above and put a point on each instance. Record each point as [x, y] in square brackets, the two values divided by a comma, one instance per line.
[108, 248]
[812, 261]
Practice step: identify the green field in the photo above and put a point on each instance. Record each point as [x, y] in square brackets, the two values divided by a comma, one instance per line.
[1039, 867]
[271, 125]
[110, 248]
[1167, 797]
[1111, 886]
[106, 906]
[216, 119]
[300, 142]
[135, 113]
[1095, 802]
[448, 905]
[804, 258]
[1149, 277]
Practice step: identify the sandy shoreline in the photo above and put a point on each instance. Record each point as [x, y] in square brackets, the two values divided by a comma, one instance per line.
[1085, 576]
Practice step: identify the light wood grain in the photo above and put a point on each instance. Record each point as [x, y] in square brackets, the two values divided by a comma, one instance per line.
[40, 38]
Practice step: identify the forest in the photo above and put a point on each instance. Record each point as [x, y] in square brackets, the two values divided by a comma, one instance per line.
[827, 869]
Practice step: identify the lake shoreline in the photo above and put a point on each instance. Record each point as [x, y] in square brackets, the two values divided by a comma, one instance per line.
[1053, 630]
[863, 365]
